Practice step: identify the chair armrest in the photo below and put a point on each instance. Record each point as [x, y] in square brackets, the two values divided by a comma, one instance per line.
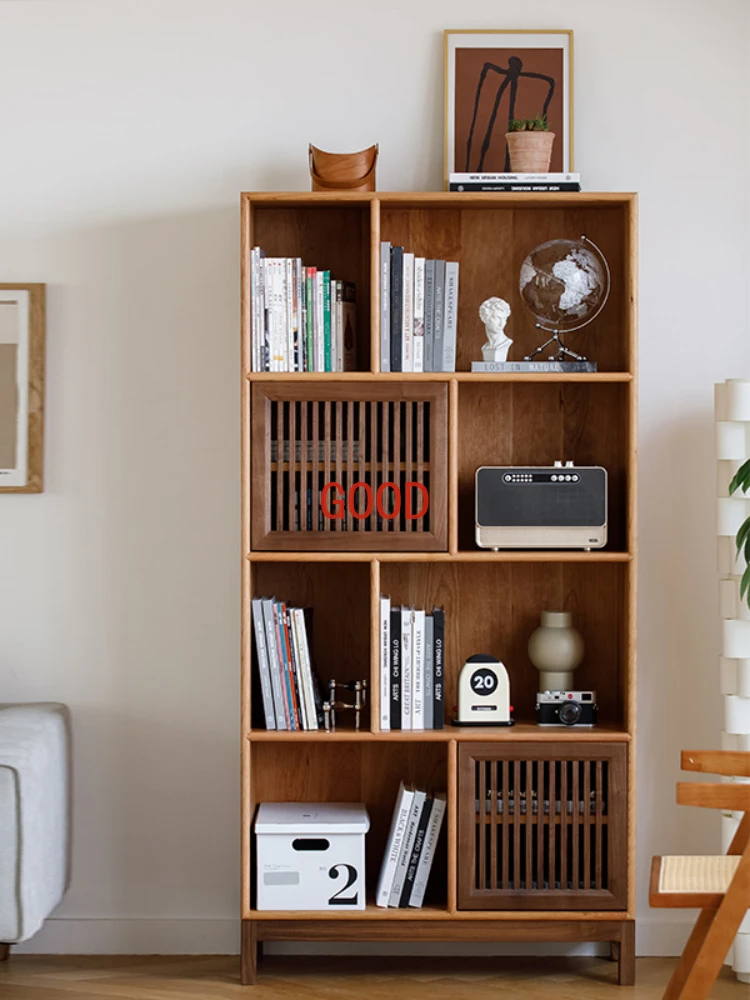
[731, 763]
[714, 795]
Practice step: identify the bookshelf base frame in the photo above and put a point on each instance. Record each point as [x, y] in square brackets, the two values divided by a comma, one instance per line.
[620, 933]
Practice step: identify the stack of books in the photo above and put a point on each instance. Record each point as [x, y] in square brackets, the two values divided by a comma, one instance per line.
[418, 312]
[288, 682]
[302, 319]
[411, 667]
[515, 182]
[410, 849]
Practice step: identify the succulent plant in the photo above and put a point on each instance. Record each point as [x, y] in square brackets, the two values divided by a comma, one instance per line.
[538, 124]
[742, 479]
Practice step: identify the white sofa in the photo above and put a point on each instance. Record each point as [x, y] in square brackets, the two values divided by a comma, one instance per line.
[34, 817]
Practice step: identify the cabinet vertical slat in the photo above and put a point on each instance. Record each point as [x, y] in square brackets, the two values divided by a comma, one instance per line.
[575, 820]
[292, 474]
[493, 824]
[375, 477]
[349, 404]
[419, 523]
[408, 421]
[564, 869]
[517, 825]
[315, 467]
[329, 524]
[385, 464]
[303, 445]
[530, 820]
[396, 478]
[553, 881]
[505, 827]
[362, 436]
[482, 817]
[279, 477]
[586, 826]
[599, 812]
[540, 817]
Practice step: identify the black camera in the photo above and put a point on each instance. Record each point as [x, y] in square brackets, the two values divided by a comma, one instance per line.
[566, 708]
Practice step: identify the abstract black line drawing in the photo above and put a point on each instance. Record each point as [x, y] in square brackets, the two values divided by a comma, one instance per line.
[510, 77]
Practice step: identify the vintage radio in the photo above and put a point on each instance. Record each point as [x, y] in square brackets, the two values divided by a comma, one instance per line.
[562, 506]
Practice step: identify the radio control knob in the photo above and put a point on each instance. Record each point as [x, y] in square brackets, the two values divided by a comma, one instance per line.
[507, 477]
[554, 478]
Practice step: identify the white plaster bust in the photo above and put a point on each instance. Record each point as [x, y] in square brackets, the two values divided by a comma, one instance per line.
[494, 313]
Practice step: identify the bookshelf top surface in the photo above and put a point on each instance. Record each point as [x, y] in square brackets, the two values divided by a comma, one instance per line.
[443, 199]
[522, 731]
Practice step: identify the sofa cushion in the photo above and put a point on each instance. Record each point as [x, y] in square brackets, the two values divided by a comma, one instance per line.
[34, 815]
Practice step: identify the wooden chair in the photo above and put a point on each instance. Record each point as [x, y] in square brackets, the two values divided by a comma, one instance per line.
[718, 886]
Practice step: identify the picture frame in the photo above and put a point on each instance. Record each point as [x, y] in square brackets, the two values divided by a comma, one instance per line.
[483, 90]
[22, 336]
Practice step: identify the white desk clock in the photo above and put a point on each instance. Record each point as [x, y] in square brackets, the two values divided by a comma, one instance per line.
[483, 693]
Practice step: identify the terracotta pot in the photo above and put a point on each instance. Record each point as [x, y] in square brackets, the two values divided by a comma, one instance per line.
[343, 171]
[530, 152]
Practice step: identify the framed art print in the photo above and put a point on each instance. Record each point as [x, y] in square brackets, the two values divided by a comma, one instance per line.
[494, 76]
[21, 388]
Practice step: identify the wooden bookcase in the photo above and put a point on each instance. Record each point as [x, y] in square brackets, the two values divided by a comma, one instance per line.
[492, 600]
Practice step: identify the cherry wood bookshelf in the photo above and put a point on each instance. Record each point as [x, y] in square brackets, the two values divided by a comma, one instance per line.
[493, 599]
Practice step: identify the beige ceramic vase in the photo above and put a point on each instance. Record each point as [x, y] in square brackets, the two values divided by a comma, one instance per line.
[556, 649]
[530, 152]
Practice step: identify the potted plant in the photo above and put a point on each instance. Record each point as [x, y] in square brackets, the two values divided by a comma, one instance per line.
[530, 145]
[741, 480]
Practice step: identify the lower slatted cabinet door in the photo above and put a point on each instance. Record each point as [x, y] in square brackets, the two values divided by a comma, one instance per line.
[542, 826]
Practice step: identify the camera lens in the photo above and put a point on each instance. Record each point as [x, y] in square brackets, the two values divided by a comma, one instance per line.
[570, 713]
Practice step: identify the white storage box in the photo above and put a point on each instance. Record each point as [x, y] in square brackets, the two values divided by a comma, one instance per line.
[311, 855]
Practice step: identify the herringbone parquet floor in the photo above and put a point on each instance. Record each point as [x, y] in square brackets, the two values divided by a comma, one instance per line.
[282, 978]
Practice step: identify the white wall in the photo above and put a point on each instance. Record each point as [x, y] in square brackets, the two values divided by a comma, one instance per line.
[127, 131]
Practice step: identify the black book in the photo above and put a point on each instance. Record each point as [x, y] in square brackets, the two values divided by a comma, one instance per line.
[397, 306]
[416, 852]
[438, 628]
[395, 667]
[516, 186]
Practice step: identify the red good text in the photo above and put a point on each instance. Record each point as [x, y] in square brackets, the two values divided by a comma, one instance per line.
[333, 500]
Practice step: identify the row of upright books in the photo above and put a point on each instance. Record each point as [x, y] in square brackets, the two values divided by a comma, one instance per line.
[521, 183]
[411, 667]
[288, 682]
[418, 312]
[410, 849]
[302, 319]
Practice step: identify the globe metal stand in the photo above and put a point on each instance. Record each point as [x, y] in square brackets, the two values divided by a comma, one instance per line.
[562, 351]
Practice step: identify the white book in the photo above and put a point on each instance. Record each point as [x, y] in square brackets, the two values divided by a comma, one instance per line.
[334, 331]
[255, 330]
[450, 313]
[264, 354]
[558, 178]
[296, 668]
[394, 843]
[308, 694]
[406, 681]
[404, 857]
[429, 693]
[407, 320]
[320, 341]
[385, 307]
[263, 666]
[274, 664]
[428, 851]
[290, 318]
[417, 669]
[299, 336]
[275, 293]
[419, 269]
[385, 664]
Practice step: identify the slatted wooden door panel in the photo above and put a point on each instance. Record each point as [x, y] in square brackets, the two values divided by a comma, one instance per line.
[305, 437]
[542, 826]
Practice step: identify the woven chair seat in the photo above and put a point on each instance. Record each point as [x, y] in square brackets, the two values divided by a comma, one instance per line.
[697, 874]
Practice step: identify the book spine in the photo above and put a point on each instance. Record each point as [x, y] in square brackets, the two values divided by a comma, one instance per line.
[394, 844]
[404, 857]
[407, 318]
[429, 314]
[283, 640]
[327, 320]
[522, 188]
[397, 309]
[419, 269]
[299, 317]
[417, 659]
[334, 328]
[429, 695]
[294, 660]
[304, 659]
[264, 668]
[395, 667]
[291, 349]
[265, 349]
[339, 311]
[552, 178]
[406, 679]
[437, 342]
[349, 319]
[416, 852]
[385, 307]
[450, 309]
[428, 851]
[438, 711]
[310, 317]
[320, 326]
[274, 662]
[385, 664]
[254, 327]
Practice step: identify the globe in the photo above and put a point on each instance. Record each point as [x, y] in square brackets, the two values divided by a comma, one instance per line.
[565, 283]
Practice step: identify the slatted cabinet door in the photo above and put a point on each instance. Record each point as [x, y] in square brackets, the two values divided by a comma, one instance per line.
[384, 436]
[542, 826]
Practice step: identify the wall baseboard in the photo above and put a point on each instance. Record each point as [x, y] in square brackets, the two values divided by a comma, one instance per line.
[165, 936]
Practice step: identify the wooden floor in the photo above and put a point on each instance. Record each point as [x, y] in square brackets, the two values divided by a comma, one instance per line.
[212, 978]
